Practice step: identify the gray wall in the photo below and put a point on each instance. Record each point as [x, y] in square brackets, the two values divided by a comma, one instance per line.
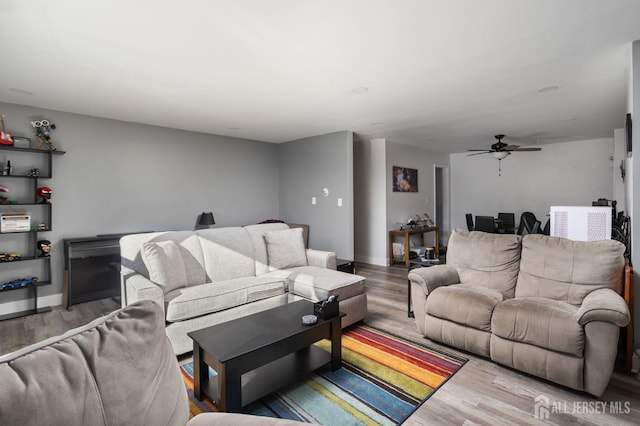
[562, 174]
[121, 177]
[634, 202]
[370, 199]
[403, 205]
[379, 209]
[307, 166]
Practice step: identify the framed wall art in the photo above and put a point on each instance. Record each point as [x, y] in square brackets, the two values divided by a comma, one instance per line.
[405, 179]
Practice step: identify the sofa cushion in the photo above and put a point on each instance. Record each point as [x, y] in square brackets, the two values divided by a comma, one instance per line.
[118, 370]
[165, 265]
[256, 233]
[561, 269]
[314, 283]
[548, 324]
[187, 241]
[228, 253]
[464, 304]
[285, 249]
[193, 301]
[487, 260]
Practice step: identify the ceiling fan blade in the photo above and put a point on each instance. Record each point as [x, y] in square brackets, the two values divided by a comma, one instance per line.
[527, 149]
[510, 147]
[478, 153]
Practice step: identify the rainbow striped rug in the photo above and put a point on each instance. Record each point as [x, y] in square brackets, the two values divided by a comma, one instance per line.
[382, 381]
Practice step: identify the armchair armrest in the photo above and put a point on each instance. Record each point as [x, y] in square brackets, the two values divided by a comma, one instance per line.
[603, 305]
[322, 259]
[433, 277]
[139, 287]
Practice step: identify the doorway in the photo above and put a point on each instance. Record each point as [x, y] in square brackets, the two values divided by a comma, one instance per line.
[442, 202]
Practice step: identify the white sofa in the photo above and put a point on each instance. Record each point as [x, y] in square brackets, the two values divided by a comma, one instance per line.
[209, 276]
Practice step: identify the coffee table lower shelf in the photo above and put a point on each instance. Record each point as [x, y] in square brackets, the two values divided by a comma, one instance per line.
[275, 375]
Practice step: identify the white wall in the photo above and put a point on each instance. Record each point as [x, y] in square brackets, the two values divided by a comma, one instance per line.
[370, 200]
[571, 173]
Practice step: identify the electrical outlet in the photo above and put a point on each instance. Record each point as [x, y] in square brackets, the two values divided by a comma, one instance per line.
[313, 201]
[339, 202]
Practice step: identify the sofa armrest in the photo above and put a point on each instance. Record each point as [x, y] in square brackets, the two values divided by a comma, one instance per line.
[433, 277]
[603, 305]
[139, 287]
[321, 259]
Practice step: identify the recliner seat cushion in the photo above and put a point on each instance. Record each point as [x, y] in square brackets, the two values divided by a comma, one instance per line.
[561, 269]
[546, 323]
[487, 260]
[464, 304]
[193, 301]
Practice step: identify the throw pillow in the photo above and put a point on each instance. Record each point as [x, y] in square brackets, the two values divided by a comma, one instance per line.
[285, 249]
[165, 265]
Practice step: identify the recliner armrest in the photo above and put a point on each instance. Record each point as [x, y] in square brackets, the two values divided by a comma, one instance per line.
[604, 305]
[434, 276]
[322, 259]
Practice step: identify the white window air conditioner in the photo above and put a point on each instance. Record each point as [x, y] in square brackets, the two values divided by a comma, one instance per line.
[581, 223]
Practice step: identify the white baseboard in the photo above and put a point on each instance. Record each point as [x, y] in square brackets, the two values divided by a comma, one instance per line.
[371, 260]
[25, 304]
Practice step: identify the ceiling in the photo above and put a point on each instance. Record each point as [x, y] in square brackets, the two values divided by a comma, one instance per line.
[444, 75]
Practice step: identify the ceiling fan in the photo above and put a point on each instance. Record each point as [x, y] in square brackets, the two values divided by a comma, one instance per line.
[500, 150]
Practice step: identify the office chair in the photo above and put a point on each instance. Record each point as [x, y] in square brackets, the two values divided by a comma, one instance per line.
[507, 223]
[546, 230]
[469, 217]
[527, 224]
[485, 224]
[535, 229]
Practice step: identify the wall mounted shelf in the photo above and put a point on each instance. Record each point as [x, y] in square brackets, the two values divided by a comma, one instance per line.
[31, 237]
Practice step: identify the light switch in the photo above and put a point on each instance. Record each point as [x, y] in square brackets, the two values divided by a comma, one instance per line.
[313, 201]
[339, 202]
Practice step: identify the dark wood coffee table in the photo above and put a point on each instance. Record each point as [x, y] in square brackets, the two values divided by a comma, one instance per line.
[258, 354]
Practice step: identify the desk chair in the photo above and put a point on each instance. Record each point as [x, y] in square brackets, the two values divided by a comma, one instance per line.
[507, 224]
[546, 229]
[527, 224]
[485, 224]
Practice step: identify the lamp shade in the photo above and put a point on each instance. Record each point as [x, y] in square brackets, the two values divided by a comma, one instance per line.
[206, 218]
[499, 155]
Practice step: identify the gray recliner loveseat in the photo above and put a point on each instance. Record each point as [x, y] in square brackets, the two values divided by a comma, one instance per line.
[544, 305]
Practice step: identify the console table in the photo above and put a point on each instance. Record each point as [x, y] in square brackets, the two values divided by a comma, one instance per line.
[406, 234]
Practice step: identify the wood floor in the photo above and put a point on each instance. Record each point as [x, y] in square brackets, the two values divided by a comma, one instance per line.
[482, 392]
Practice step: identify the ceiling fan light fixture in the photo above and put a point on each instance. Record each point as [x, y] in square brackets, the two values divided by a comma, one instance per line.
[499, 155]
